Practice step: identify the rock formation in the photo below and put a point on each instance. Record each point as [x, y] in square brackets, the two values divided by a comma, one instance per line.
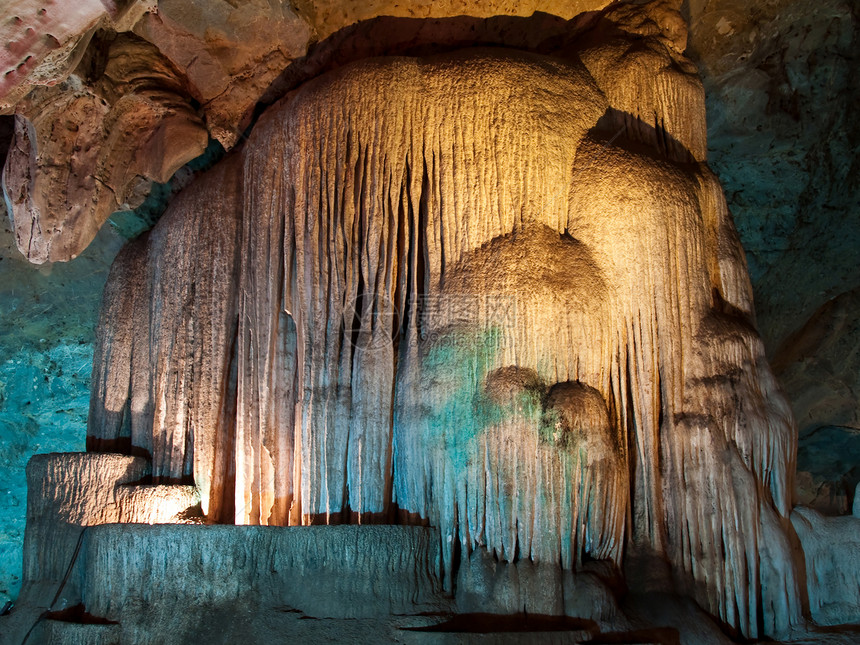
[819, 367]
[496, 291]
[123, 82]
[81, 155]
[490, 290]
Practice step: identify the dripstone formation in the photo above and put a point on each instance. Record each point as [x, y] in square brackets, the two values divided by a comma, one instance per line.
[493, 292]
[478, 290]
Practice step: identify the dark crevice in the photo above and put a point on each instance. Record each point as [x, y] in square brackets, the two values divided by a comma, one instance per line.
[79, 615]
[480, 623]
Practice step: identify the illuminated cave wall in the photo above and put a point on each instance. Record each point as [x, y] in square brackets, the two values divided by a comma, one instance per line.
[47, 329]
[782, 139]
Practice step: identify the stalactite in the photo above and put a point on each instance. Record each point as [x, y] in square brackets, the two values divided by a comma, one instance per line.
[476, 290]
[162, 367]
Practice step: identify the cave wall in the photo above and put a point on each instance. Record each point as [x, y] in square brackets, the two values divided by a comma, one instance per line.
[781, 137]
[47, 329]
[781, 94]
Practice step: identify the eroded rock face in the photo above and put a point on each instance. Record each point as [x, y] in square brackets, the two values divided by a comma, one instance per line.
[110, 560]
[769, 70]
[215, 43]
[47, 330]
[223, 56]
[737, 34]
[84, 148]
[45, 41]
[361, 252]
[788, 163]
[831, 548]
[68, 492]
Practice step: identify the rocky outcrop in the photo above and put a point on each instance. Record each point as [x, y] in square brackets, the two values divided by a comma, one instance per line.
[46, 41]
[84, 148]
[46, 336]
[779, 77]
[94, 131]
[68, 492]
[228, 52]
[98, 572]
[782, 64]
[123, 582]
[99, 115]
[190, 302]
[831, 548]
[819, 367]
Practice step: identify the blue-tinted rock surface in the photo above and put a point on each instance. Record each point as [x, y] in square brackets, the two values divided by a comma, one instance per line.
[47, 327]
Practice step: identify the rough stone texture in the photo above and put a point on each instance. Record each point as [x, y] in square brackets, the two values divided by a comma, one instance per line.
[486, 585]
[258, 627]
[81, 147]
[66, 492]
[322, 572]
[781, 92]
[780, 81]
[328, 16]
[48, 318]
[157, 279]
[765, 96]
[47, 329]
[831, 548]
[223, 56]
[856, 510]
[764, 158]
[819, 367]
[215, 42]
[387, 186]
[157, 504]
[44, 41]
[63, 632]
[140, 574]
[828, 466]
[69, 491]
[334, 584]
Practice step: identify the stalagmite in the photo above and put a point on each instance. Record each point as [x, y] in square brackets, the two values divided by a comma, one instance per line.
[478, 290]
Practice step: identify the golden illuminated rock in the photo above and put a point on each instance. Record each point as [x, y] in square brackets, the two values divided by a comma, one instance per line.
[494, 291]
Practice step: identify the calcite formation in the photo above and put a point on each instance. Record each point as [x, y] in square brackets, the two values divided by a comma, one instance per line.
[69, 492]
[493, 291]
[98, 572]
[819, 368]
[831, 548]
[224, 57]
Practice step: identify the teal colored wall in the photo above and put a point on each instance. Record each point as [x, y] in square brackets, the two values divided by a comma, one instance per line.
[47, 327]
